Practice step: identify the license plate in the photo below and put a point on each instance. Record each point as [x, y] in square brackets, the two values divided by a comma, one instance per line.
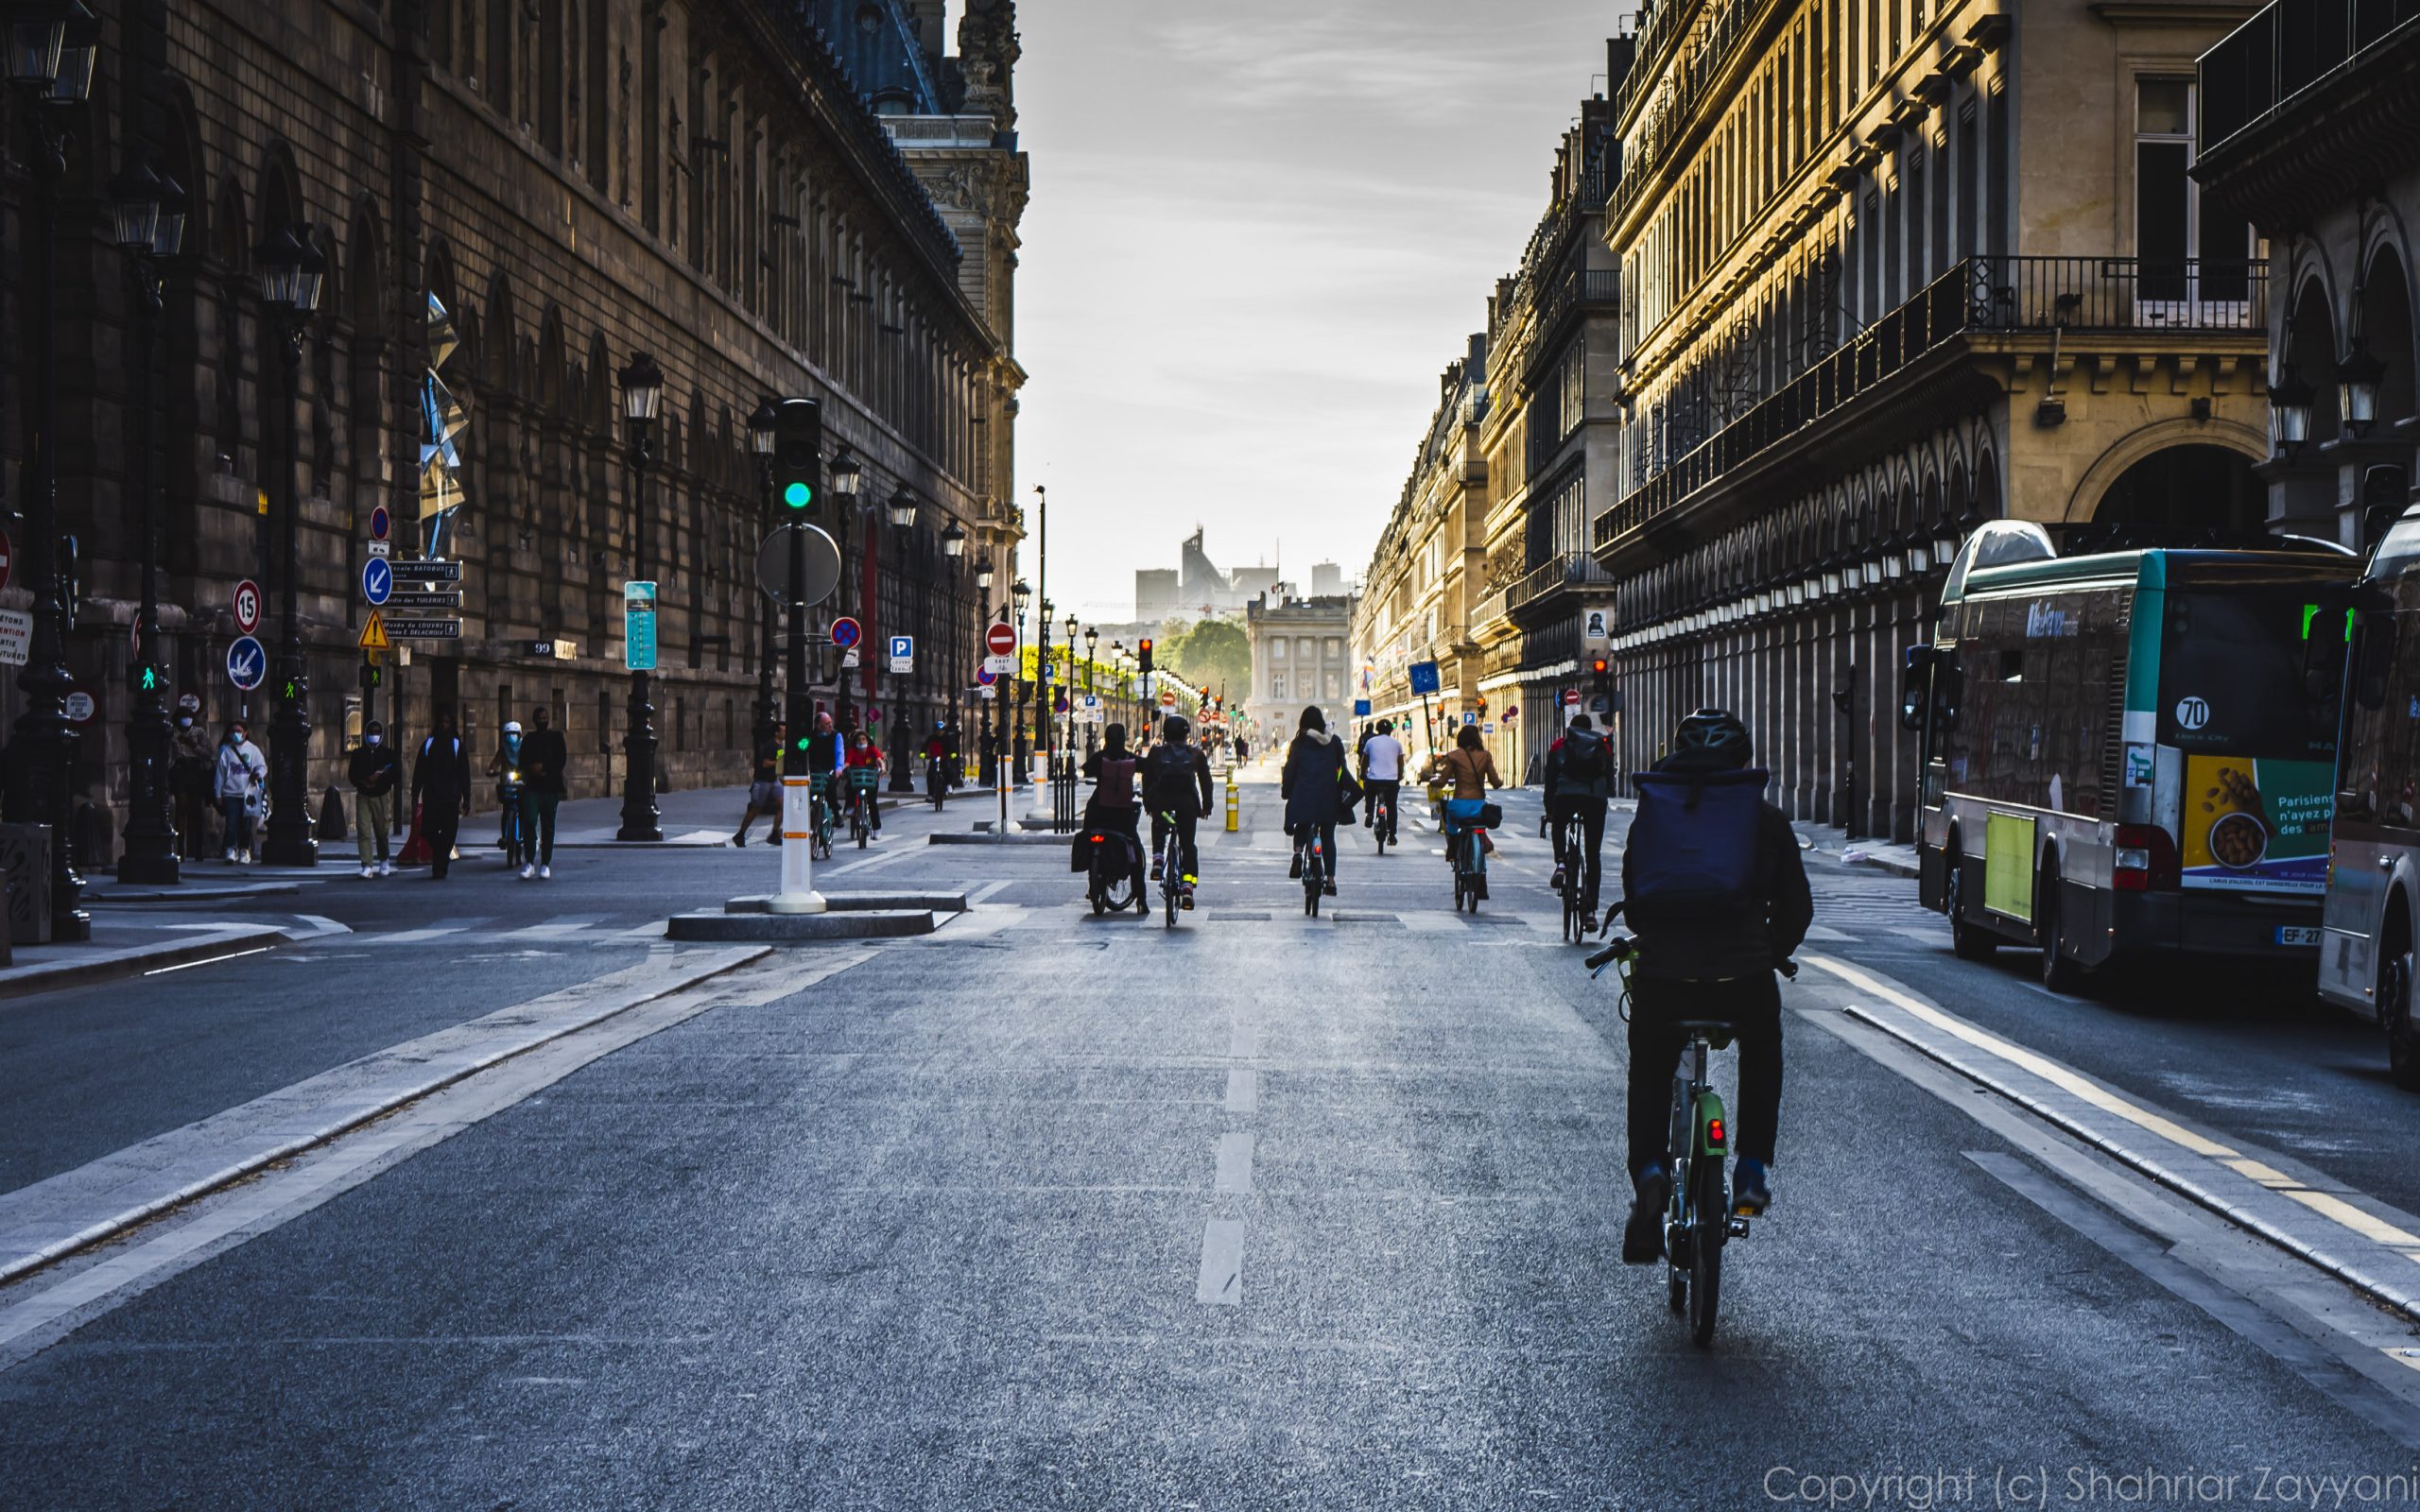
[2298, 935]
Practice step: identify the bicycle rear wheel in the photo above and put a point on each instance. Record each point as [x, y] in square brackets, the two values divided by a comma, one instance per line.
[1712, 1227]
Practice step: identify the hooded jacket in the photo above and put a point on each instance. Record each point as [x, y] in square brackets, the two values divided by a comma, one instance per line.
[373, 770]
[1313, 781]
[1750, 944]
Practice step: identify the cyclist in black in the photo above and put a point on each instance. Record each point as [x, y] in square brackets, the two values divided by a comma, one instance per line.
[1580, 777]
[1111, 809]
[1318, 792]
[1712, 959]
[1176, 781]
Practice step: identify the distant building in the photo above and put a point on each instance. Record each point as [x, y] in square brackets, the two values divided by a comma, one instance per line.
[1198, 588]
[1156, 594]
[1328, 580]
[1299, 656]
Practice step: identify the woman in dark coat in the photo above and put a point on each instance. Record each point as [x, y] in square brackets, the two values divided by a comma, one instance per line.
[1314, 787]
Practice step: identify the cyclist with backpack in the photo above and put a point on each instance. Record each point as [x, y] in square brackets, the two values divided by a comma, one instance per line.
[1318, 792]
[1110, 809]
[1176, 781]
[1714, 889]
[1580, 777]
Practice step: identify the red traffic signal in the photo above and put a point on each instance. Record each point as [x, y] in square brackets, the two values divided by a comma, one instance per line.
[1143, 654]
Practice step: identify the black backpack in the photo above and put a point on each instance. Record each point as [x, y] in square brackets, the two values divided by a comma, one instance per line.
[1585, 761]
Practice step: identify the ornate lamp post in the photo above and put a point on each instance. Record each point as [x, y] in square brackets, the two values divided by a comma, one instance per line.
[51, 52]
[760, 443]
[292, 272]
[1020, 594]
[844, 477]
[642, 399]
[1092, 683]
[983, 597]
[148, 214]
[1067, 683]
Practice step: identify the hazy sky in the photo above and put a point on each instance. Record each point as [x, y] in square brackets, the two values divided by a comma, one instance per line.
[1260, 229]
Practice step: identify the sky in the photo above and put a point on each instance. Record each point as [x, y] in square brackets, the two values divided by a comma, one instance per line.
[1259, 230]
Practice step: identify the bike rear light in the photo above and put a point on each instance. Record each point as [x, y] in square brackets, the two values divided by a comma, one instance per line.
[2146, 860]
[1713, 1131]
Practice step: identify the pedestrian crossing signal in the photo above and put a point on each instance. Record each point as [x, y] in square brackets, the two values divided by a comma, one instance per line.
[148, 679]
[290, 691]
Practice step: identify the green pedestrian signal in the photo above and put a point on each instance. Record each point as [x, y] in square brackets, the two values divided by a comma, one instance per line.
[798, 495]
[149, 680]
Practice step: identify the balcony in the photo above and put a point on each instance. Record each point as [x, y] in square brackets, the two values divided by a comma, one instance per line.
[2286, 50]
[1572, 569]
[1489, 609]
[1979, 297]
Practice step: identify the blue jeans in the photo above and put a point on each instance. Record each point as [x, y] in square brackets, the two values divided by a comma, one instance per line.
[237, 821]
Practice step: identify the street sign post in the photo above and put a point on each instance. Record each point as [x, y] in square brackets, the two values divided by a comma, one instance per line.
[374, 634]
[246, 604]
[428, 572]
[903, 655]
[638, 627]
[1361, 708]
[1001, 639]
[381, 522]
[7, 554]
[435, 630]
[378, 581]
[426, 602]
[79, 708]
[1424, 678]
[16, 637]
[246, 662]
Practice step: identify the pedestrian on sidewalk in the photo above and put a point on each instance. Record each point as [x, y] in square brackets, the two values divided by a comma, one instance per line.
[189, 761]
[765, 791]
[238, 779]
[544, 758]
[441, 793]
[374, 771]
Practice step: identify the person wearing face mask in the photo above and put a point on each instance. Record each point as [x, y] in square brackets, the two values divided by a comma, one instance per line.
[238, 780]
[505, 767]
[189, 784]
[373, 772]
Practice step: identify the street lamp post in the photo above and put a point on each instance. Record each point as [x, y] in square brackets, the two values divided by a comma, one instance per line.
[642, 399]
[1020, 594]
[903, 510]
[951, 681]
[1092, 684]
[846, 473]
[292, 271]
[760, 442]
[983, 592]
[148, 212]
[1067, 742]
[50, 60]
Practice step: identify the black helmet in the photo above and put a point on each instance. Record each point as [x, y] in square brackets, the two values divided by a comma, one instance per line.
[1715, 731]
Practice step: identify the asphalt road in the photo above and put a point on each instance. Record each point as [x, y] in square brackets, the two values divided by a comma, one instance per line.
[1050, 1211]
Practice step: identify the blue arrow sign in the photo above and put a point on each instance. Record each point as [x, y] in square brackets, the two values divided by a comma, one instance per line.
[247, 663]
[378, 581]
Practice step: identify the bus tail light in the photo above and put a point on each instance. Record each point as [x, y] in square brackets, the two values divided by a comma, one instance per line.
[2146, 860]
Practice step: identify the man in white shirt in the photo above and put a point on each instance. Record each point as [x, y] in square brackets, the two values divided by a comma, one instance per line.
[1382, 775]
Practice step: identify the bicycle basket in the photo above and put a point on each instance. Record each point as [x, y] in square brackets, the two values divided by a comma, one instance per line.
[864, 779]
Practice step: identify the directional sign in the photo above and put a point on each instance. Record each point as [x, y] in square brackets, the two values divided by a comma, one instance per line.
[378, 581]
[1001, 639]
[425, 629]
[422, 603]
[846, 634]
[374, 633]
[246, 661]
[380, 522]
[428, 572]
[247, 610]
[822, 564]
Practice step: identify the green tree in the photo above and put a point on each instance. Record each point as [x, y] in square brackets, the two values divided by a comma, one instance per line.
[1213, 654]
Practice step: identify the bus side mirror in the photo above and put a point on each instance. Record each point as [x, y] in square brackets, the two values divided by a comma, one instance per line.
[1915, 687]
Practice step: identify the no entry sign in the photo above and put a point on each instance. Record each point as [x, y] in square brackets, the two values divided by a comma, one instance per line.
[1000, 640]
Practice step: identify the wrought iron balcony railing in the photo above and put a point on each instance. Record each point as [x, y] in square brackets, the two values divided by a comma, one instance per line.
[1571, 569]
[2285, 50]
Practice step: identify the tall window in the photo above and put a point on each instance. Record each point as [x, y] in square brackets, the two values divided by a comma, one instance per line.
[2174, 224]
[1970, 182]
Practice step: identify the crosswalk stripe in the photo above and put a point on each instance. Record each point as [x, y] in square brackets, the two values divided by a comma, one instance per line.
[557, 928]
[413, 937]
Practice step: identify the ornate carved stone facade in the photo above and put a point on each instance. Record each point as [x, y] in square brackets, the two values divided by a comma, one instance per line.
[578, 181]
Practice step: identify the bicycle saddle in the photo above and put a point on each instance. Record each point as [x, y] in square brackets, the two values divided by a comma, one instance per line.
[1717, 1032]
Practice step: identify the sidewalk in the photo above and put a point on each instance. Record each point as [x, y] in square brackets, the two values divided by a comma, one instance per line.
[1882, 855]
[699, 817]
[124, 945]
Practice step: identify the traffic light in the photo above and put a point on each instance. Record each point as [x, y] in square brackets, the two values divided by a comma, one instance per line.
[1143, 654]
[373, 674]
[798, 455]
[149, 679]
[1600, 673]
[797, 715]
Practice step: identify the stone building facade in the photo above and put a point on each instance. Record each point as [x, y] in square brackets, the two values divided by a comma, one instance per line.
[2313, 131]
[575, 183]
[1299, 655]
[1890, 268]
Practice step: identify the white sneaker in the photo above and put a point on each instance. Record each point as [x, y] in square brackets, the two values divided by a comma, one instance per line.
[229, 858]
[528, 873]
[386, 869]
[369, 871]
[545, 873]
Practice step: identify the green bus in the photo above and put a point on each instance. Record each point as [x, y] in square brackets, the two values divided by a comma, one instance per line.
[2129, 754]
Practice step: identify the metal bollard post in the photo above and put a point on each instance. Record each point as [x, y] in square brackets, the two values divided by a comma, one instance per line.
[797, 894]
[1234, 809]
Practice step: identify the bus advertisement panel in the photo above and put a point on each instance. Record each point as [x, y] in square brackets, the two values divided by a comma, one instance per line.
[2256, 826]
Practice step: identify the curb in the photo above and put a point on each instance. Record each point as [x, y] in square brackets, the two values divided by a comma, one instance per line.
[1886, 863]
[182, 894]
[356, 1113]
[791, 929]
[133, 960]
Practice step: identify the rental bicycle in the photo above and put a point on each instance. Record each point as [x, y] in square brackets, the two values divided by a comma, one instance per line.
[1171, 867]
[1382, 821]
[1700, 1221]
[1314, 856]
[861, 802]
[820, 827]
[1573, 834]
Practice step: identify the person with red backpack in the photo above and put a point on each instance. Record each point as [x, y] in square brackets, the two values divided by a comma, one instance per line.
[1714, 891]
[1580, 777]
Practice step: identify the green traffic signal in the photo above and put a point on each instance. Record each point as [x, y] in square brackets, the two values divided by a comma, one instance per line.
[798, 495]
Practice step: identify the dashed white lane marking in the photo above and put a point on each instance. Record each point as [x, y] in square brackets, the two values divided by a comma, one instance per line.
[559, 927]
[989, 891]
[1221, 1282]
[427, 932]
[1234, 1162]
[1243, 1091]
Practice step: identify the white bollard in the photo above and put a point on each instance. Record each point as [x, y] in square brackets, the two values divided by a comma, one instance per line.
[797, 894]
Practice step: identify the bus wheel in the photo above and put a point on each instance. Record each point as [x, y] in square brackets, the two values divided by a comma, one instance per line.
[2058, 973]
[2394, 1010]
[1968, 942]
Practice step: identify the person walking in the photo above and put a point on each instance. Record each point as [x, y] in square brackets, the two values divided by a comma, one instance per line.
[441, 793]
[238, 779]
[544, 760]
[765, 792]
[189, 779]
[1317, 789]
[374, 771]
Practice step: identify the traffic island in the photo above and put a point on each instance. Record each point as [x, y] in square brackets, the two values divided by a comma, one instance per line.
[846, 915]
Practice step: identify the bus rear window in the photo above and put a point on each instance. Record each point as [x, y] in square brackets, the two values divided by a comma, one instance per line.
[2237, 669]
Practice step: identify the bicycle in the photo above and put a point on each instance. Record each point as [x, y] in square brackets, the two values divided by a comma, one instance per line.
[1469, 862]
[1110, 887]
[1382, 822]
[1171, 867]
[1699, 1222]
[1314, 856]
[861, 802]
[820, 829]
[1575, 862]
